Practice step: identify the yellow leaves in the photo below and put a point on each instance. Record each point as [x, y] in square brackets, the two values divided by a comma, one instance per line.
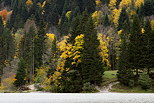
[142, 30]
[115, 16]
[96, 16]
[132, 12]
[43, 4]
[124, 3]
[138, 3]
[152, 24]
[29, 2]
[50, 36]
[119, 32]
[68, 14]
[62, 45]
[112, 4]
[98, 3]
[104, 42]
[7, 83]
[79, 40]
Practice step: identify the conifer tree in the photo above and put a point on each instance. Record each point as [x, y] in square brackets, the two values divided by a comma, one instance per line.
[135, 44]
[39, 46]
[125, 74]
[147, 47]
[124, 21]
[91, 65]
[106, 21]
[21, 74]
[27, 51]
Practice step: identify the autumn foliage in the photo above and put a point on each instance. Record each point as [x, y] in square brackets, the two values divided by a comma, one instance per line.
[4, 13]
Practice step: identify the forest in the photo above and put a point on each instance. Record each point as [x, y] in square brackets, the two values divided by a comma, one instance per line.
[68, 46]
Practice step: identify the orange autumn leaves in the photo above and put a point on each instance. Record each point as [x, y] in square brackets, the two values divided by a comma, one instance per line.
[5, 15]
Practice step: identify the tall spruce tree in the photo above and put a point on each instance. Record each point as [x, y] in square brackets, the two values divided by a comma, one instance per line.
[92, 67]
[148, 47]
[39, 46]
[27, 51]
[124, 21]
[135, 44]
[21, 74]
[125, 73]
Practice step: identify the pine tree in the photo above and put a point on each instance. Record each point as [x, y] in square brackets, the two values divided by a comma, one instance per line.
[53, 58]
[92, 67]
[106, 21]
[27, 51]
[135, 44]
[9, 46]
[147, 47]
[125, 74]
[39, 44]
[89, 6]
[21, 74]
[123, 21]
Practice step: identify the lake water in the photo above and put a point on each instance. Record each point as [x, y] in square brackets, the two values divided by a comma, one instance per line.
[76, 98]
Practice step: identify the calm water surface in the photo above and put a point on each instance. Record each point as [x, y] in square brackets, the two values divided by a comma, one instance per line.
[76, 98]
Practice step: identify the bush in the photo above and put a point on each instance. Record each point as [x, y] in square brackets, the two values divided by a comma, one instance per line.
[145, 81]
[88, 88]
[7, 83]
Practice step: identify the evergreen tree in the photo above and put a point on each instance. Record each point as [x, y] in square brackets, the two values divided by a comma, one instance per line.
[124, 21]
[8, 46]
[21, 74]
[125, 74]
[106, 21]
[92, 67]
[89, 6]
[53, 58]
[39, 44]
[135, 44]
[27, 51]
[148, 47]
[75, 29]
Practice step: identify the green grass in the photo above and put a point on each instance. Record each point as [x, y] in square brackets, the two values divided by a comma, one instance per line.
[110, 74]
[124, 89]
[109, 77]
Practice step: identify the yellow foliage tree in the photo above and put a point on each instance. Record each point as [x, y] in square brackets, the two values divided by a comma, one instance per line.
[29, 2]
[104, 42]
[96, 16]
[68, 51]
[98, 3]
[124, 3]
[138, 3]
[115, 16]
[112, 4]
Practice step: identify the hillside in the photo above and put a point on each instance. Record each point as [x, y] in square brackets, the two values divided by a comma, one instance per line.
[67, 45]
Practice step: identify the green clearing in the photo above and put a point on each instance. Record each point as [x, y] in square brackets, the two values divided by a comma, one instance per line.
[109, 77]
[123, 89]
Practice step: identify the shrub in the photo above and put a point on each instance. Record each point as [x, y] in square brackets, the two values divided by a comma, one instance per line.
[88, 88]
[7, 83]
[145, 81]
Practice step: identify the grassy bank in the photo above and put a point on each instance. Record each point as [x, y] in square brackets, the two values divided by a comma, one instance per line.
[123, 89]
[109, 77]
